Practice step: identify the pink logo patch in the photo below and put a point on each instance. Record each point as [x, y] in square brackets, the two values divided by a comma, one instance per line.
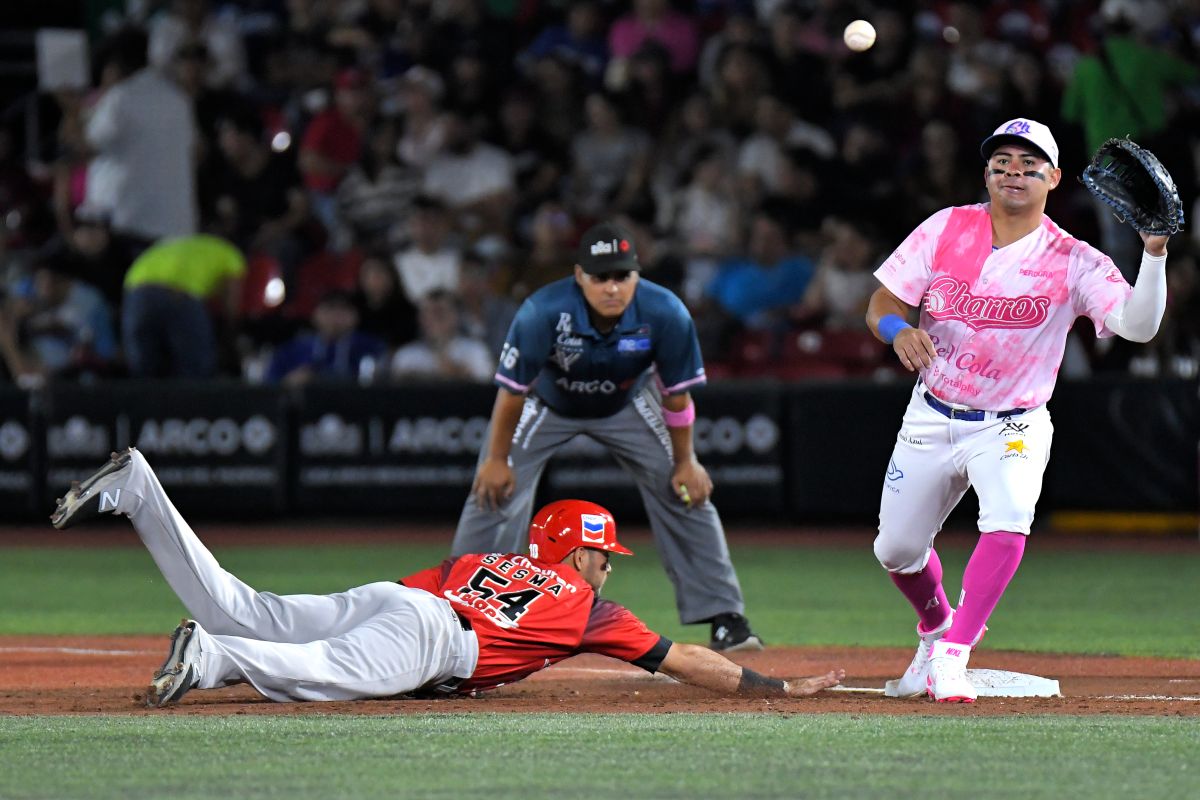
[1114, 276]
[950, 299]
[953, 651]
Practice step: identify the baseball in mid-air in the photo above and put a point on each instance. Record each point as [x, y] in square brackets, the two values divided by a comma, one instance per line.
[859, 35]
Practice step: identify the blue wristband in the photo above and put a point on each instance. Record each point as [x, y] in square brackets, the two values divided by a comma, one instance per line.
[890, 326]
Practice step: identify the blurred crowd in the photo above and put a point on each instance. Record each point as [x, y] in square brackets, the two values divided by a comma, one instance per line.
[365, 190]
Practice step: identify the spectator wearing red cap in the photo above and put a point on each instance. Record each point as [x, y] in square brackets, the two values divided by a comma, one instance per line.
[333, 141]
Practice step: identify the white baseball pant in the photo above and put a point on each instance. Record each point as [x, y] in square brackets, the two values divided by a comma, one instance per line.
[377, 640]
[935, 461]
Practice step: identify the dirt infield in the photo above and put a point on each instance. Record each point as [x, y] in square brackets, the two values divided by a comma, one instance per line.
[106, 675]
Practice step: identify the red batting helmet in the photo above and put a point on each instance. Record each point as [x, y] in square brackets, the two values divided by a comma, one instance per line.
[562, 526]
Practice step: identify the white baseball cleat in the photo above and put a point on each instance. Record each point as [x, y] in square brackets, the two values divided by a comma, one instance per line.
[913, 682]
[947, 681]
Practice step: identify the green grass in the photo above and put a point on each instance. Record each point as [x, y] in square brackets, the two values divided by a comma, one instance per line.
[1102, 601]
[1086, 601]
[597, 756]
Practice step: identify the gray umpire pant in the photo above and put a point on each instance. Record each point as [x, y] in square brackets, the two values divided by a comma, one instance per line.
[690, 541]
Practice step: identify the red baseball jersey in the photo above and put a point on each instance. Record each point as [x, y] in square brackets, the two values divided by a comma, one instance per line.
[528, 614]
[331, 135]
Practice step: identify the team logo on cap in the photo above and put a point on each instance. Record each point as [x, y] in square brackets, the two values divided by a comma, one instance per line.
[593, 528]
[1018, 126]
[607, 248]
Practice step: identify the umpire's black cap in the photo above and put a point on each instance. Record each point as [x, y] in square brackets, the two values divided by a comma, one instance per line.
[607, 247]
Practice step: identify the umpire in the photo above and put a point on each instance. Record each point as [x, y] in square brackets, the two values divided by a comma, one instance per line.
[577, 360]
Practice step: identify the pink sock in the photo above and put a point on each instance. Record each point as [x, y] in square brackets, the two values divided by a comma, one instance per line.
[924, 590]
[991, 567]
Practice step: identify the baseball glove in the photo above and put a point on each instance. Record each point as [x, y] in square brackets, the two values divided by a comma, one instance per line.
[1136, 186]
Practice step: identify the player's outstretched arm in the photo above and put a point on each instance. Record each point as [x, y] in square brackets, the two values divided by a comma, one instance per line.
[699, 666]
[887, 318]
[1139, 317]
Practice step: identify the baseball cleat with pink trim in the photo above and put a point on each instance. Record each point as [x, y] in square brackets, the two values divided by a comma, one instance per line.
[914, 681]
[947, 681]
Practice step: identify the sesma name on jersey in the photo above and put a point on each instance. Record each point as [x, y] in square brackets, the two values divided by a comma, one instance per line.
[503, 588]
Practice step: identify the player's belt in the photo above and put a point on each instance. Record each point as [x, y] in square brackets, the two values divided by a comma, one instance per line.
[450, 685]
[968, 414]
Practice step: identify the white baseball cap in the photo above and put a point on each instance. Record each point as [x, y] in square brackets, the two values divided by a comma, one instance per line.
[1024, 130]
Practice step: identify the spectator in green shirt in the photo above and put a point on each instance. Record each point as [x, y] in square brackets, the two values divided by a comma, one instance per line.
[1122, 90]
[166, 327]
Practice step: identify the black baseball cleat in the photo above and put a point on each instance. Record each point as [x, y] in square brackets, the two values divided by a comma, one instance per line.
[731, 634]
[90, 497]
[181, 671]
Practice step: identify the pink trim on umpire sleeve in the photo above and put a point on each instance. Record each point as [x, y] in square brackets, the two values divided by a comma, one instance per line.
[680, 419]
[701, 378]
[511, 384]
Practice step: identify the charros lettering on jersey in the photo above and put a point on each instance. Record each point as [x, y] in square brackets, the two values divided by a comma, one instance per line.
[949, 298]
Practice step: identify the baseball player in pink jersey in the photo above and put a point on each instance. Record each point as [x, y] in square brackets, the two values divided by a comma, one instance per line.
[999, 286]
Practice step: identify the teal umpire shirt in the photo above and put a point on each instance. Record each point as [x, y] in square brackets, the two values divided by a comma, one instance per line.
[553, 351]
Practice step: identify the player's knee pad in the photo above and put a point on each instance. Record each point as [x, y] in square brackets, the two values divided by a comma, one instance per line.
[900, 556]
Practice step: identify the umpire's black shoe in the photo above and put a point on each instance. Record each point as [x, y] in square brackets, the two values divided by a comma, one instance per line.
[731, 633]
[90, 497]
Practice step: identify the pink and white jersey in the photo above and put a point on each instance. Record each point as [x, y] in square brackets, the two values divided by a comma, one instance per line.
[999, 318]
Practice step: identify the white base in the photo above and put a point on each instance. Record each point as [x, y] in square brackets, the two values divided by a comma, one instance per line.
[1001, 683]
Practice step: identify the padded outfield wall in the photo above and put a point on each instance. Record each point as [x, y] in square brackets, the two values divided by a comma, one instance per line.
[778, 452]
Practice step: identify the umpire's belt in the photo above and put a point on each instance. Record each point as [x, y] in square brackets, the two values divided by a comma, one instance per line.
[968, 414]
